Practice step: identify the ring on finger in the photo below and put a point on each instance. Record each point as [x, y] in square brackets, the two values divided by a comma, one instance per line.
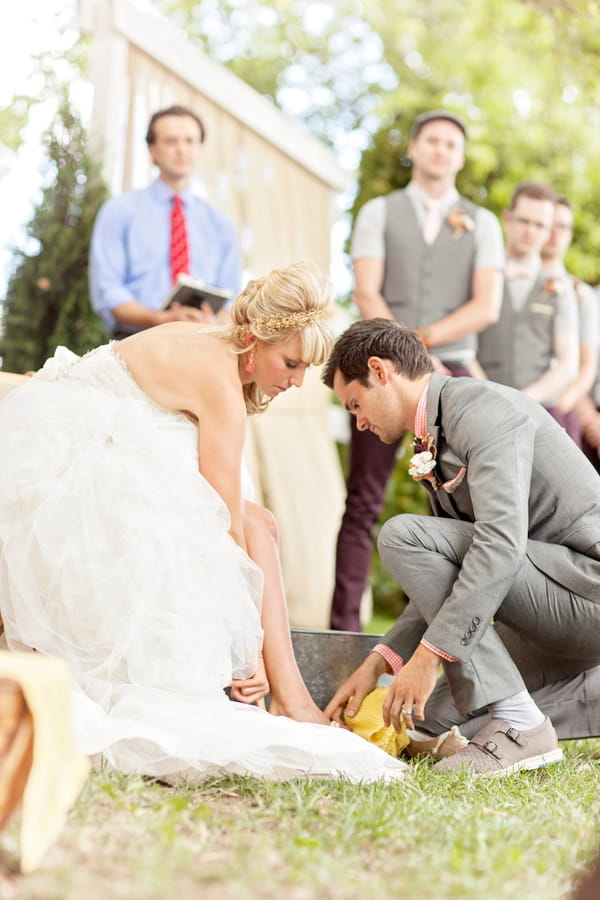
[407, 711]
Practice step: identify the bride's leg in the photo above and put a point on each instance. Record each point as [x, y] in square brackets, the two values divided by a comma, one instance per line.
[289, 694]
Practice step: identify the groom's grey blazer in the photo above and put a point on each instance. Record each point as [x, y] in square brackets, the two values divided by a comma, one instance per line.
[527, 489]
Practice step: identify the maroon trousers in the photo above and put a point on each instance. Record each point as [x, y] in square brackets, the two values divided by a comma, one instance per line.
[591, 453]
[370, 465]
[569, 421]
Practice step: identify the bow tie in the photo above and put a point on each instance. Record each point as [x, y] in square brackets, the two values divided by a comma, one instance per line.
[516, 269]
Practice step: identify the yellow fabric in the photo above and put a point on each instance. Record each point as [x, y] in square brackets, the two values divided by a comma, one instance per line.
[368, 723]
[58, 770]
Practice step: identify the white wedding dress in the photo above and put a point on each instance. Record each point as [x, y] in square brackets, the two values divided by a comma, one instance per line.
[115, 556]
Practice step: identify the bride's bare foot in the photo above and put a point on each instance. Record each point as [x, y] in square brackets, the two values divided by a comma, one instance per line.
[304, 710]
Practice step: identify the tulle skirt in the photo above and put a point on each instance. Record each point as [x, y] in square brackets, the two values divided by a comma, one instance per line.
[115, 556]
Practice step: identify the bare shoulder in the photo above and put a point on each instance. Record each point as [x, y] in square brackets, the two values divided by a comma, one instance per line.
[182, 366]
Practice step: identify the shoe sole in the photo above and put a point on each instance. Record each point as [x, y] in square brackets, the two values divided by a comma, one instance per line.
[533, 762]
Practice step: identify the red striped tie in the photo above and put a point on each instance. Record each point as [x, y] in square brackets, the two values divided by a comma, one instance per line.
[180, 257]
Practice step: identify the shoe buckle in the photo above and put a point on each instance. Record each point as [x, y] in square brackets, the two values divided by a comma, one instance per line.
[514, 735]
[492, 748]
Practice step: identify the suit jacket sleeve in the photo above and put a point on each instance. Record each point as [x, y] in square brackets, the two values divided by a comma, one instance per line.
[496, 438]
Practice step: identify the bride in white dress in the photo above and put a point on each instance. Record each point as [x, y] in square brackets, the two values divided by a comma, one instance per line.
[128, 550]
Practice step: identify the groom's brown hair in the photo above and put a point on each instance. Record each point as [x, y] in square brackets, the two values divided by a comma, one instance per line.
[376, 337]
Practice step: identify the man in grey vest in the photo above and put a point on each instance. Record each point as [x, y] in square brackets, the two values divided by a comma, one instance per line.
[514, 540]
[432, 260]
[534, 346]
[574, 399]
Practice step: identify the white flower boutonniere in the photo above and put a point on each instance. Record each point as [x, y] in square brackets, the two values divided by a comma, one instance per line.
[423, 461]
[421, 464]
[459, 221]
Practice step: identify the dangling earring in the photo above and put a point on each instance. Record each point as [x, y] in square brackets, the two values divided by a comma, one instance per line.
[250, 363]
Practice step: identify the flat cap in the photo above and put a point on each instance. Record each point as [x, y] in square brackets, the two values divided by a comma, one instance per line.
[435, 114]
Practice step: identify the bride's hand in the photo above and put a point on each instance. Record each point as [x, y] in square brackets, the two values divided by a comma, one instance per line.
[250, 690]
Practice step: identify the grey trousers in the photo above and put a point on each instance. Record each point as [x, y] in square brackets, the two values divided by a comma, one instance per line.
[545, 639]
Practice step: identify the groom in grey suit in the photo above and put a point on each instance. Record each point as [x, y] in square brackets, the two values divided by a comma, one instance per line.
[513, 548]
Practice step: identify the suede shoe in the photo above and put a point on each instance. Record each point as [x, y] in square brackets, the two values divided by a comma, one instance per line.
[500, 749]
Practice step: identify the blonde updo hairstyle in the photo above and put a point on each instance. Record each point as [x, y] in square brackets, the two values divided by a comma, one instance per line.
[294, 300]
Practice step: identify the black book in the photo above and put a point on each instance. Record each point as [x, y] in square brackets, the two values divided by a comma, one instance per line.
[190, 292]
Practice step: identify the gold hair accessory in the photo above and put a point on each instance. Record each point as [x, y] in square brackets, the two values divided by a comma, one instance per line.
[297, 320]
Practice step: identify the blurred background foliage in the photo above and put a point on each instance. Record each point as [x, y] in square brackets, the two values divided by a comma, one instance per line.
[47, 299]
[524, 74]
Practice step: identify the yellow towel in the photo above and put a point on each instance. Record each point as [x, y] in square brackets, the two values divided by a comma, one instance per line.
[368, 724]
[58, 770]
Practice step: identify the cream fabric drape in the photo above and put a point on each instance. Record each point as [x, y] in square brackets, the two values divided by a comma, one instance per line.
[301, 481]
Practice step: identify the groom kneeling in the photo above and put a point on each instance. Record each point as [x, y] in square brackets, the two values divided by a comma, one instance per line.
[515, 541]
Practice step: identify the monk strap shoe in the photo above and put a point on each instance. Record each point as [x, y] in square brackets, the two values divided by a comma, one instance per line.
[501, 749]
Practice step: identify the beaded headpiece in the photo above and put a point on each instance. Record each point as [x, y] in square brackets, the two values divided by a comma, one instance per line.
[296, 321]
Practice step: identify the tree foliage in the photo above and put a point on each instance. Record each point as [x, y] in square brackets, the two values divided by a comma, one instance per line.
[523, 73]
[319, 61]
[48, 72]
[47, 301]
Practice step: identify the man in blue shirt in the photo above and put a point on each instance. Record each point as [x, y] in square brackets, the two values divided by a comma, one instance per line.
[130, 268]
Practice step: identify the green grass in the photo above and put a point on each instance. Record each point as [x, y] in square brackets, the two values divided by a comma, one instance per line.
[430, 838]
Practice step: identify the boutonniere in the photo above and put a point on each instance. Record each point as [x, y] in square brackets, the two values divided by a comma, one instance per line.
[459, 222]
[423, 461]
[552, 285]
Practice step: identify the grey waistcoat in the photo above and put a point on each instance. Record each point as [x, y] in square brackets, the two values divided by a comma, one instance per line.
[517, 349]
[423, 283]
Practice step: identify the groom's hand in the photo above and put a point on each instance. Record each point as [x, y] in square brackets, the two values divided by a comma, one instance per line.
[360, 683]
[411, 688]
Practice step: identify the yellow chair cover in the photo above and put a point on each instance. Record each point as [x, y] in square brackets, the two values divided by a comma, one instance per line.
[58, 770]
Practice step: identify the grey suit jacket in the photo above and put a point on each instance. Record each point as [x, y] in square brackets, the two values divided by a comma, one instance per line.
[527, 489]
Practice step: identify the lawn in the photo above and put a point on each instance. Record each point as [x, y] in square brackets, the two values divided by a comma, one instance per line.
[432, 837]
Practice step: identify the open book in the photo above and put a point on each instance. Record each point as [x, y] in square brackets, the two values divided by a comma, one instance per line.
[190, 292]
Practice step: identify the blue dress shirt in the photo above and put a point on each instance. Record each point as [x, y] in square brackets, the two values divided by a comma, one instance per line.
[129, 254]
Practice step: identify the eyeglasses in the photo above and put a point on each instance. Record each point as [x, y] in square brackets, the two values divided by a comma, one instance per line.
[541, 226]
